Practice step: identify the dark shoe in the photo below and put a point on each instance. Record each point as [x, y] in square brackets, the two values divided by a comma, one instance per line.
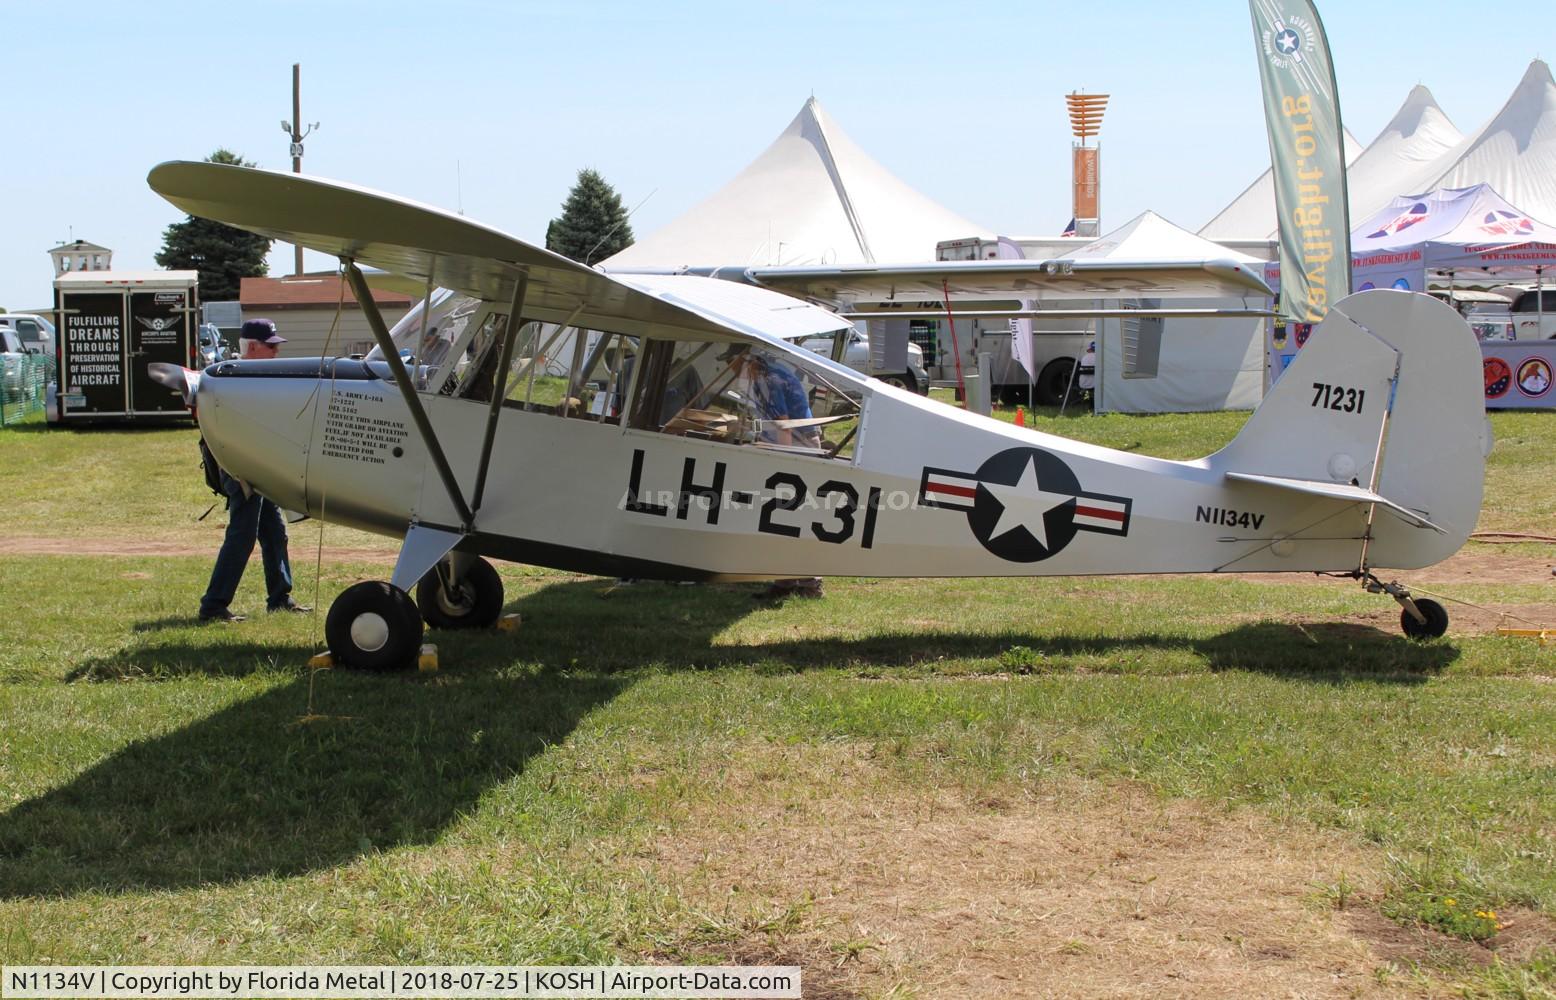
[223, 615]
[780, 589]
[291, 605]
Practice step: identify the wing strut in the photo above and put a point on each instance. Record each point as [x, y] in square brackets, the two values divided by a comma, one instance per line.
[500, 389]
[402, 378]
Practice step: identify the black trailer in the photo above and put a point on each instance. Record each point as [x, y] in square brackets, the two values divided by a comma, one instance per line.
[112, 324]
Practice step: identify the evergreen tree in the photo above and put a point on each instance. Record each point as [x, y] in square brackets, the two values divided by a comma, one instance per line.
[223, 255]
[593, 224]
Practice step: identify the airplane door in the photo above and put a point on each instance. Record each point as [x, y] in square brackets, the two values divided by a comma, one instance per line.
[158, 331]
[92, 346]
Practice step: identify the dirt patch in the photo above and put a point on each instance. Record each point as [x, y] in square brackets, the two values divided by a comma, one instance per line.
[1481, 563]
[32, 545]
[1409, 946]
[1080, 890]
[1475, 563]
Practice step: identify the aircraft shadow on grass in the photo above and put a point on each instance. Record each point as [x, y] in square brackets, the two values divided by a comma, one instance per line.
[253, 790]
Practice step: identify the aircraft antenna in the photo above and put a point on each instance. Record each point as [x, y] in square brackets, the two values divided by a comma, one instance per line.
[618, 225]
[459, 187]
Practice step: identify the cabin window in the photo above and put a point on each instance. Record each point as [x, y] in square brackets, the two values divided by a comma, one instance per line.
[597, 384]
[744, 394]
[473, 375]
[426, 343]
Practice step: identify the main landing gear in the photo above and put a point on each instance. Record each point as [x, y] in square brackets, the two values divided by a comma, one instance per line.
[376, 625]
[1420, 617]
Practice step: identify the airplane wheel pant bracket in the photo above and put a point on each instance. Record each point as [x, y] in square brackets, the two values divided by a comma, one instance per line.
[374, 626]
[474, 602]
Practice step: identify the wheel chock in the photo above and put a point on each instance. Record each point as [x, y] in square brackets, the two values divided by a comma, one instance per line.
[428, 660]
[1544, 636]
[321, 661]
[509, 623]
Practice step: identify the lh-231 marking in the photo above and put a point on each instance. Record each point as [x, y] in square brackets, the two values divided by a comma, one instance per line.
[786, 493]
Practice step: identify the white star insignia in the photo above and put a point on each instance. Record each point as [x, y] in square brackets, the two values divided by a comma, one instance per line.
[1024, 504]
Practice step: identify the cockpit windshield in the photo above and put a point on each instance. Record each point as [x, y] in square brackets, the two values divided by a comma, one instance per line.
[744, 394]
[425, 337]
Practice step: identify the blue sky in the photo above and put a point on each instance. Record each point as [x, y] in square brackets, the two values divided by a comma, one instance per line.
[495, 106]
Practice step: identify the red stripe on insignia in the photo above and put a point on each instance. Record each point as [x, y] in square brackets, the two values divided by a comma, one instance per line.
[955, 491]
[1102, 512]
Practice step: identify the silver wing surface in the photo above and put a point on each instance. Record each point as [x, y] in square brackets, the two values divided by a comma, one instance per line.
[431, 246]
[1034, 280]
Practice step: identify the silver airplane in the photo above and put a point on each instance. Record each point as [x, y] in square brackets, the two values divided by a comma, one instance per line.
[670, 427]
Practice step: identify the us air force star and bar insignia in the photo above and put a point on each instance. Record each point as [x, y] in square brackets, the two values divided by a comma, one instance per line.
[1024, 505]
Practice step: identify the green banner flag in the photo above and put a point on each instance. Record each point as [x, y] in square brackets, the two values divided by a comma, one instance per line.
[1307, 152]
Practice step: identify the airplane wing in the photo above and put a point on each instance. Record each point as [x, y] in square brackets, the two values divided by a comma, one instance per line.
[1021, 279]
[428, 244]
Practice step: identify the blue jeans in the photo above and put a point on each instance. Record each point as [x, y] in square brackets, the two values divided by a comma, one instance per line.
[249, 519]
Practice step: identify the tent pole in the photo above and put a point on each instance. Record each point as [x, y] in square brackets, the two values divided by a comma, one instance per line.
[956, 347]
[1539, 302]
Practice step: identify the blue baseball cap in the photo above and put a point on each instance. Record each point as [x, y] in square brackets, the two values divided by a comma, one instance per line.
[262, 330]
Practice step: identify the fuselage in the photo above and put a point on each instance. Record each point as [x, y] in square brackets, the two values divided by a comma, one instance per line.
[928, 490]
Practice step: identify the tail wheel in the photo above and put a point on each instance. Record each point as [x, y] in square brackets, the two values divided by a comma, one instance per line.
[1436, 620]
[474, 602]
[374, 626]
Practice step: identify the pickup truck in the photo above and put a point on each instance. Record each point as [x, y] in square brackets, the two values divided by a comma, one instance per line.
[857, 357]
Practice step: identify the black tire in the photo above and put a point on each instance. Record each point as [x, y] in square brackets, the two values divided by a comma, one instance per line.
[902, 380]
[1014, 395]
[1053, 381]
[477, 603]
[374, 626]
[1436, 620]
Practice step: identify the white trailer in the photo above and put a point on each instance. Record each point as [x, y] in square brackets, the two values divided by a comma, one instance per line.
[112, 324]
[1058, 344]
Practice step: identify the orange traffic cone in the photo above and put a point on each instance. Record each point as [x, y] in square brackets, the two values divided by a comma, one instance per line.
[1021, 417]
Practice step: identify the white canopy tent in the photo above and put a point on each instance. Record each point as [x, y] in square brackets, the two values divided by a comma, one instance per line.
[812, 197]
[1470, 231]
[1205, 363]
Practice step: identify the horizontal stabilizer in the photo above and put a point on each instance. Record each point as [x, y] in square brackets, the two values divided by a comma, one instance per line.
[1336, 491]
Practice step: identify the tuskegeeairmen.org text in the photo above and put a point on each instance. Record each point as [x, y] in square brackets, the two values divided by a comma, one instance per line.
[352, 982]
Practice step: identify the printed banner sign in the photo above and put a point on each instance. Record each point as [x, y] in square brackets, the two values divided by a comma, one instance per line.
[1302, 113]
[1519, 374]
[1085, 171]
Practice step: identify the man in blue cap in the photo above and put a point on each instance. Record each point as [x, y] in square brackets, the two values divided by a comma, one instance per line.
[251, 517]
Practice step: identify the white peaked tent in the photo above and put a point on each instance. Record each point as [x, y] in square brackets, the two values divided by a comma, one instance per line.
[1420, 150]
[1205, 364]
[812, 197]
[1515, 152]
[1404, 155]
[1251, 215]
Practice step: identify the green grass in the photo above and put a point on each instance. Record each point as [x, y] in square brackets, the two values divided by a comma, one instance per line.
[171, 792]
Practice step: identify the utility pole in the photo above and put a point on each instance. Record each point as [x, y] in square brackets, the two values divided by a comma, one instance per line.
[295, 129]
